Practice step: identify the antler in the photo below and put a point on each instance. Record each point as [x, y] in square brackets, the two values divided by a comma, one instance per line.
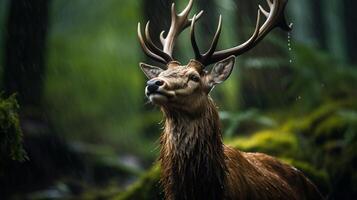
[275, 18]
[179, 22]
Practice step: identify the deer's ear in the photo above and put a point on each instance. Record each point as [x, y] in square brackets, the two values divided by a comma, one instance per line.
[150, 71]
[221, 71]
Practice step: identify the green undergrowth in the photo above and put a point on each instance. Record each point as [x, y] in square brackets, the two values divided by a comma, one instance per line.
[272, 142]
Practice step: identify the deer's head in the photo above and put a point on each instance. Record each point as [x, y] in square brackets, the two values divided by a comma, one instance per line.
[186, 87]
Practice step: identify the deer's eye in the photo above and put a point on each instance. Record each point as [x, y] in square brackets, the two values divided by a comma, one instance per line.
[194, 78]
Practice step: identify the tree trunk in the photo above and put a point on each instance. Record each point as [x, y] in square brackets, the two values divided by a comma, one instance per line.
[301, 12]
[335, 30]
[318, 28]
[207, 24]
[350, 19]
[24, 60]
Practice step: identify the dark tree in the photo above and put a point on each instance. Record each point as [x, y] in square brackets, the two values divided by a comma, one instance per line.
[350, 19]
[24, 70]
[207, 23]
[24, 60]
[158, 12]
[318, 23]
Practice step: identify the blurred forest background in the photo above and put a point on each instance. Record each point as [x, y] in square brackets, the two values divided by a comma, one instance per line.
[75, 124]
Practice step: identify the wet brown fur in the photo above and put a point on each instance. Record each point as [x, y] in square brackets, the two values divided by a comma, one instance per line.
[196, 165]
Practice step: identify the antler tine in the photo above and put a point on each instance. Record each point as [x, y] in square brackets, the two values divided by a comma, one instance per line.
[275, 18]
[187, 10]
[269, 3]
[195, 47]
[198, 16]
[266, 13]
[153, 47]
[179, 22]
[162, 38]
[202, 57]
[276, 12]
[146, 49]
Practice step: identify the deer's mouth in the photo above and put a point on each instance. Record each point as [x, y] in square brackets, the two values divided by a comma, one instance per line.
[158, 96]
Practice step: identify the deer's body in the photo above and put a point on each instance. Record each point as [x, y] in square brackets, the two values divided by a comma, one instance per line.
[196, 165]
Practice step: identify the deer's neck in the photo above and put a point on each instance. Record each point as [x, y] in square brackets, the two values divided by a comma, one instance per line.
[192, 156]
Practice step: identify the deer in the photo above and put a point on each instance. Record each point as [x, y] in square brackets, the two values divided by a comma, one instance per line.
[195, 164]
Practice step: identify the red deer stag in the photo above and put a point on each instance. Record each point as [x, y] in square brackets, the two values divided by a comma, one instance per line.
[195, 164]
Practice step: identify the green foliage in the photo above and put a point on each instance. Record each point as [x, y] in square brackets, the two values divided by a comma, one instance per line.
[10, 131]
[245, 122]
[317, 77]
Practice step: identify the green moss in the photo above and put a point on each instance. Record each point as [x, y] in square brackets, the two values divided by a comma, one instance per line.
[272, 142]
[334, 126]
[307, 123]
[10, 131]
[147, 188]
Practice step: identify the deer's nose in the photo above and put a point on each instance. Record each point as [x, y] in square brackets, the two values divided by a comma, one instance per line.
[154, 84]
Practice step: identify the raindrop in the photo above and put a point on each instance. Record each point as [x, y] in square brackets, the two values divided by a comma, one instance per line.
[290, 47]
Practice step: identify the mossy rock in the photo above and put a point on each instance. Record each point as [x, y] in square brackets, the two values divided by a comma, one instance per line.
[307, 124]
[330, 133]
[272, 142]
[335, 126]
